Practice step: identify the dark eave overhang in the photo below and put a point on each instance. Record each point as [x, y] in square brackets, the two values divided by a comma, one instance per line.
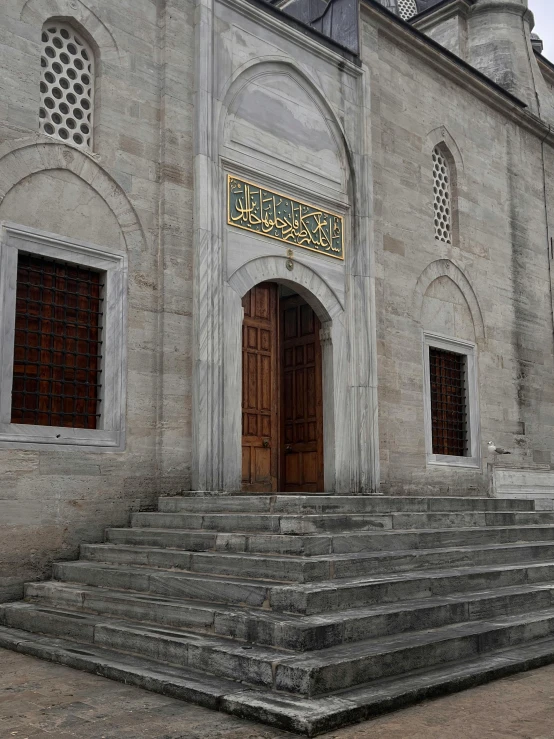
[306, 30]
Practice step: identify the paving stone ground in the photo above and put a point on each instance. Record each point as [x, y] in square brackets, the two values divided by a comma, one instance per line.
[39, 700]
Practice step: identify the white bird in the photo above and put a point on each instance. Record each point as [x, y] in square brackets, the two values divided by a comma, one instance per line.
[497, 449]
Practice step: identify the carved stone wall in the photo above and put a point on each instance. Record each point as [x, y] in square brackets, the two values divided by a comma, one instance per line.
[287, 122]
[129, 195]
[491, 287]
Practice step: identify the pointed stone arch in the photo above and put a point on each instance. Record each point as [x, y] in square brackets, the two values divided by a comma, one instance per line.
[75, 12]
[447, 268]
[301, 278]
[26, 158]
[260, 67]
[441, 136]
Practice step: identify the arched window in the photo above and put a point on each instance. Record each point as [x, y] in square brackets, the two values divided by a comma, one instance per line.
[407, 9]
[66, 85]
[442, 189]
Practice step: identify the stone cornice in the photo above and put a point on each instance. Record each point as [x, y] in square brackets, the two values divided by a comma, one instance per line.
[546, 67]
[441, 13]
[504, 6]
[455, 69]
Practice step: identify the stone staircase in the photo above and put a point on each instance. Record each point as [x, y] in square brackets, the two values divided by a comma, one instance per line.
[305, 612]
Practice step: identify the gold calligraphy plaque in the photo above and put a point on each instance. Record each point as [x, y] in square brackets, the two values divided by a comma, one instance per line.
[253, 208]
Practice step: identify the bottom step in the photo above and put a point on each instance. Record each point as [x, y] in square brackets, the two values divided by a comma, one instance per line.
[304, 716]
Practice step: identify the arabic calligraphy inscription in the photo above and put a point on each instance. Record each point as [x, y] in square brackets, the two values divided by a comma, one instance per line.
[276, 216]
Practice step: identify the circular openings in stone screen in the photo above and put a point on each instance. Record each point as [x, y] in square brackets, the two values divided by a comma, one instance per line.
[66, 85]
[442, 197]
[407, 9]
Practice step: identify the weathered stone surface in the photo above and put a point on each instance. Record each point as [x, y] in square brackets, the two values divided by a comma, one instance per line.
[381, 627]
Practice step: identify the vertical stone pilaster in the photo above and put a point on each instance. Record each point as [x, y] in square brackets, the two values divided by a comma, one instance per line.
[207, 266]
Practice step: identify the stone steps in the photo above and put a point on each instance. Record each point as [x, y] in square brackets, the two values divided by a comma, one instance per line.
[309, 717]
[338, 543]
[303, 598]
[307, 612]
[286, 631]
[321, 504]
[309, 569]
[330, 523]
[308, 675]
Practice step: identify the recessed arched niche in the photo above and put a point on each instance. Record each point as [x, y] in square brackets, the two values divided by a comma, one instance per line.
[277, 124]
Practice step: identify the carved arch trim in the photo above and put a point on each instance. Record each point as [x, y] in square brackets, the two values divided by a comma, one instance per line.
[441, 135]
[27, 158]
[301, 278]
[447, 268]
[37, 12]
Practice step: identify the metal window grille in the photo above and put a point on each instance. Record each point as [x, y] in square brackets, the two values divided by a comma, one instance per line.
[57, 349]
[442, 196]
[407, 9]
[66, 85]
[448, 402]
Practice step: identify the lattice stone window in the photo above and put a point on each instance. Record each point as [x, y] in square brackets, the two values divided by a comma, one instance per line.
[66, 85]
[451, 402]
[62, 341]
[442, 189]
[407, 9]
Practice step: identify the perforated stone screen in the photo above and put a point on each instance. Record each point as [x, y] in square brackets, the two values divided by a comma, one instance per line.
[66, 85]
[443, 197]
[407, 9]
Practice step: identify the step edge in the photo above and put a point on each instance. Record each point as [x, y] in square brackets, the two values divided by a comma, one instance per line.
[309, 717]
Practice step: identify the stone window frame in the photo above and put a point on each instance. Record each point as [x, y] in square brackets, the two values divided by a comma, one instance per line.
[469, 350]
[110, 435]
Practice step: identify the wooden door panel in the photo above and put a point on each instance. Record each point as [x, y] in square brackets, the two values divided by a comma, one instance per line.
[292, 471]
[301, 403]
[260, 428]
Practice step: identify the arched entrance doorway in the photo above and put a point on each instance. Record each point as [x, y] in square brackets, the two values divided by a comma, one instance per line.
[282, 396]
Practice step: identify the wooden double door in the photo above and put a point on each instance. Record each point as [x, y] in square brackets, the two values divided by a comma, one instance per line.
[282, 404]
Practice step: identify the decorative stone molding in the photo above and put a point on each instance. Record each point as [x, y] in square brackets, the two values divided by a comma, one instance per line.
[36, 12]
[441, 135]
[447, 268]
[23, 158]
[349, 366]
[302, 279]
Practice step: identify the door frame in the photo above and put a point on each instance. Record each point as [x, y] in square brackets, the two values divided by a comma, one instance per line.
[338, 471]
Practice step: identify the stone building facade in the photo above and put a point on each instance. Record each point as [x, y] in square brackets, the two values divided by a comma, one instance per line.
[419, 133]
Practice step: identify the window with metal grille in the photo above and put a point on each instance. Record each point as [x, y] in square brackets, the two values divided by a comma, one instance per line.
[442, 190]
[407, 9]
[448, 402]
[57, 349]
[66, 85]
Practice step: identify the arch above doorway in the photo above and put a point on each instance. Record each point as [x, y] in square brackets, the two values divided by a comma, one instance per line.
[301, 278]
